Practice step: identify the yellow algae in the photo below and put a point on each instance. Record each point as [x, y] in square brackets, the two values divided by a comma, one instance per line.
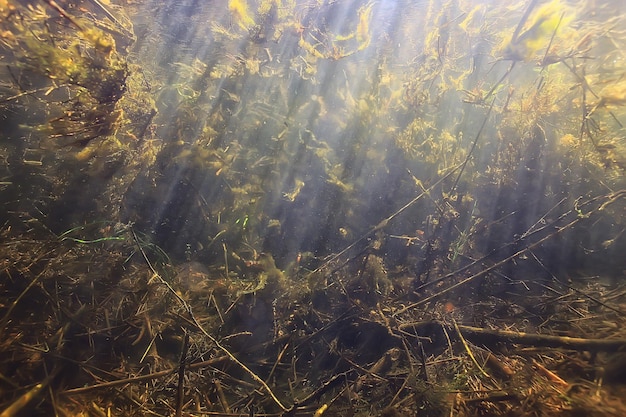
[613, 95]
[363, 27]
[568, 141]
[471, 18]
[241, 13]
[310, 48]
[267, 5]
[545, 23]
[362, 32]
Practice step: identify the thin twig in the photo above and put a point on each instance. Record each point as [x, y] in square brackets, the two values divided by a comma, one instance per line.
[63, 13]
[486, 270]
[576, 290]
[181, 376]
[383, 223]
[468, 350]
[142, 378]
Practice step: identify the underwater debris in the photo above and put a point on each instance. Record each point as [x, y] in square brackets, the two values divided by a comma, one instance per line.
[255, 219]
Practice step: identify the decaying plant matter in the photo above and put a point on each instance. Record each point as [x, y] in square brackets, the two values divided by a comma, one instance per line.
[142, 335]
[297, 207]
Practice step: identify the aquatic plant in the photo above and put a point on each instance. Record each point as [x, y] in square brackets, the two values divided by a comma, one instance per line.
[311, 207]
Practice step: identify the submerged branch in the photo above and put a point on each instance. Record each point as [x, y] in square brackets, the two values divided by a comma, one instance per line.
[490, 337]
[542, 340]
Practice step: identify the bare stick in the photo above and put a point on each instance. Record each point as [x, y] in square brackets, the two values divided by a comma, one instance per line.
[489, 336]
[523, 20]
[221, 396]
[63, 13]
[141, 378]
[468, 350]
[22, 401]
[577, 343]
[181, 376]
[471, 151]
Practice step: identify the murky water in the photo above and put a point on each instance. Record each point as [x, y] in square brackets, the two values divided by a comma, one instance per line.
[251, 146]
[297, 126]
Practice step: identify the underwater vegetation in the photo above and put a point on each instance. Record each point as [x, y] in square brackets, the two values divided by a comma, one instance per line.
[308, 207]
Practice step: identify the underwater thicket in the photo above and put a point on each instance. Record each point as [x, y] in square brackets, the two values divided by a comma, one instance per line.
[309, 203]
